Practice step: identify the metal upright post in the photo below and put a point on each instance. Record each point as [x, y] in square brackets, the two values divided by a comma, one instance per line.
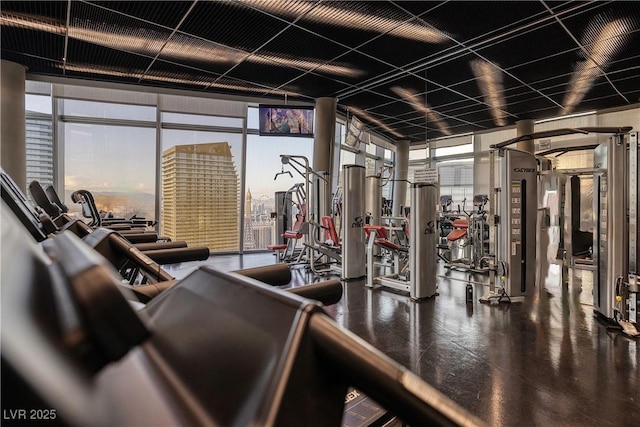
[423, 241]
[353, 246]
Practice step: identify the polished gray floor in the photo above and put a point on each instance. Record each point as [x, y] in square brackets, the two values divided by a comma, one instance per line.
[545, 362]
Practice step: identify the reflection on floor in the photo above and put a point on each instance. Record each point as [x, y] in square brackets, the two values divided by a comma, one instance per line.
[545, 362]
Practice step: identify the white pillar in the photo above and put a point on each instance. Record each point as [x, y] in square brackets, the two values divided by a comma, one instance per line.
[400, 175]
[13, 156]
[323, 146]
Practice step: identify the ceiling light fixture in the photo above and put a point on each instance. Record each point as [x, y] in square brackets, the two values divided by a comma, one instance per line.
[375, 121]
[202, 81]
[601, 44]
[489, 78]
[180, 47]
[332, 15]
[415, 101]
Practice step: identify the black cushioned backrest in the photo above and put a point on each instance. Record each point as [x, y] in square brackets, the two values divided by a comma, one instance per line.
[22, 208]
[55, 199]
[40, 197]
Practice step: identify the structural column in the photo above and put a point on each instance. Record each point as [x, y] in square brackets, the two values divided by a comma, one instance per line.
[12, 122]
[323, 146]
[525, 127]
[400, 175]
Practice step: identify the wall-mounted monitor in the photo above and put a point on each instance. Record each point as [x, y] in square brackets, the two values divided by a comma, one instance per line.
[283, 120]
[355, 131]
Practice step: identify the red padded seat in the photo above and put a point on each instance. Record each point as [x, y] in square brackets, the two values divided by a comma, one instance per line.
[456, 235]
[291, 235]
[276, 247]
[379, 229]
[460, 223]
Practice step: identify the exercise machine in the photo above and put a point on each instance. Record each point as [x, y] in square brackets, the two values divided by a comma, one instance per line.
[515, 201]
[467, 243]
[420, 280]
[615, 241]
[515, 243]
[85, 352]
[306, 204]
[290, 214]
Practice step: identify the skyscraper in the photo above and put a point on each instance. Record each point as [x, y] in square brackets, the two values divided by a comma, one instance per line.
[39, 145]
[200, 195]
[249, 241]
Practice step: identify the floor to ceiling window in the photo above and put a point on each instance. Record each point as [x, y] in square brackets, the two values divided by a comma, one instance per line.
[109, 149]
[39, 139]
[201, 173]
[264, 178]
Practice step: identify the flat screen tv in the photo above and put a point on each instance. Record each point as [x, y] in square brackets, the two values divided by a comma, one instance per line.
[355, 131]
[283, 120]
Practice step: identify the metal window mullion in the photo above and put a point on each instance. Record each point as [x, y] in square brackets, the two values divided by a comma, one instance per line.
[107, 122]
[202, 128]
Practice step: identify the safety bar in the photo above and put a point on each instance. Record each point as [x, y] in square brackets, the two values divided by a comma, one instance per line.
[139, 237]
[328, 292]
[146, 293]
[140, 259]
[274, 275]
[161, 245]
[176, 255]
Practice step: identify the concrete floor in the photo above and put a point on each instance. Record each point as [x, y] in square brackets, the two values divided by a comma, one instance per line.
[545, 362]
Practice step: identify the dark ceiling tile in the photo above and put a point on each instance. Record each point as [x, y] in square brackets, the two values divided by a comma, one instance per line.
[354, 23]
[592, 20]
[528, 47]
[354, 68]
[300, 44]
[36, 43]
[365, 100]
[232, 24]
[547, 71]
[602, 90]
[271, 75]
[167, 73]
[395, 109]
[467, 20]
[99, 60]
[315, 86]
[419, 8]
[199, 53]
[102, 27]
[452, 71]
[165, 13]
[403, 52]
[34, 64]
[55, 10]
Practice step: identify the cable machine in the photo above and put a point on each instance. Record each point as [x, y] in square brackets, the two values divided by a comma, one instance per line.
[615, 241]
[515, 202]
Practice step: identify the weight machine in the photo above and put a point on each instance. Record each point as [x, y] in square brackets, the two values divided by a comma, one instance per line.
[514, 241]
[467, 243]
[420, 280]
[615, 241]
[306, 204]
[290, 204]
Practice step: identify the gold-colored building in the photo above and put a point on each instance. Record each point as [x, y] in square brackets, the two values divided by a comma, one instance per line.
[200, 195]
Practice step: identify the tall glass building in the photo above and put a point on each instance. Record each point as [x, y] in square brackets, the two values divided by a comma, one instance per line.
[200, 195]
